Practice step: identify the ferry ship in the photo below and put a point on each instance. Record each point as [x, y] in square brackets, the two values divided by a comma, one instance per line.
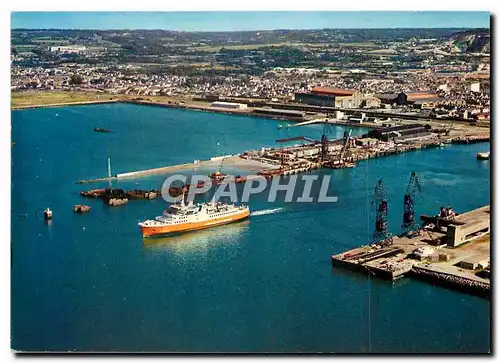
[183, 218]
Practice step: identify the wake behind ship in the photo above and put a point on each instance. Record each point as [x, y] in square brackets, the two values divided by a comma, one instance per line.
[183, 218]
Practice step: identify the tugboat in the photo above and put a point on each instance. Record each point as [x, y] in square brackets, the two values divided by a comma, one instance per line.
[183, 218]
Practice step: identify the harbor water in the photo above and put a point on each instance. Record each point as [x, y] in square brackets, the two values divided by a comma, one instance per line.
[90, 281]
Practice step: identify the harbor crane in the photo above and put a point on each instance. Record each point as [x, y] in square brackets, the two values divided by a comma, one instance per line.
[381, 233]
[347, 137]
[324, 140]
[410, 224]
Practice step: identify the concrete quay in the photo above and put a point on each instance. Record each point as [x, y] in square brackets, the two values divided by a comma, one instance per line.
[432, 256]
[229, 161]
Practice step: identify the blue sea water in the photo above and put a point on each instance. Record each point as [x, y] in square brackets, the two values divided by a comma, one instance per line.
[90, 282]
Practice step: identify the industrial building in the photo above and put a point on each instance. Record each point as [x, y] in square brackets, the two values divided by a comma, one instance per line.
[413, 96]
[393, 98]
[408, 98]
[400, 133]
[231, 105]
[366, 141]
[371, 102]
[315, 100]
[468, 226]
[475, 262]
[331, 97]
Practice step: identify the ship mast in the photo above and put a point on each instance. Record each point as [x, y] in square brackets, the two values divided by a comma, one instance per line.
[109, 172]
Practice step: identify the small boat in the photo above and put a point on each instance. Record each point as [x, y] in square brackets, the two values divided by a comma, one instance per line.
[483, 156]
[47, 214]
[100, 129]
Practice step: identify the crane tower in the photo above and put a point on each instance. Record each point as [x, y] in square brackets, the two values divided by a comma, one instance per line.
[410, 224]
[381, 232]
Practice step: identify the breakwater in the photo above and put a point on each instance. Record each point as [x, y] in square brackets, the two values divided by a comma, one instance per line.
[451, 281]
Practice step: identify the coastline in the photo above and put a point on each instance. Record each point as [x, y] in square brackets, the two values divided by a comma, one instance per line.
[179, 102]
[158, 101]
[63, 104]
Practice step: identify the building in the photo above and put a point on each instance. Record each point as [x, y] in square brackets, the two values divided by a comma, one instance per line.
[468, 226]
[475, 262]
[425, 104]
[366, 141]
[315, 99]
[68, 49]
[480, 87]
[393, 98]
[343, 98]
[400, 133]
[422, 253]
[231, 105]
[475, 87]
[371, 102]
[413, 96]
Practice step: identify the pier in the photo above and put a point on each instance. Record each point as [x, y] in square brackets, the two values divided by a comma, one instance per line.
[270, 160]
[229, 161]
[442, 257]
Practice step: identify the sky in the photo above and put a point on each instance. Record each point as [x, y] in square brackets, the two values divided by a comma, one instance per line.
[251, 20]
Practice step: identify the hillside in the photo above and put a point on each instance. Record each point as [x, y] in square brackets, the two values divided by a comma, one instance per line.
[472, 41]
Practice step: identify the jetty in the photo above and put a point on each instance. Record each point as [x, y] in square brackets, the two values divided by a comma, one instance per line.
[234, 161]
[268, 161]
[455, 255]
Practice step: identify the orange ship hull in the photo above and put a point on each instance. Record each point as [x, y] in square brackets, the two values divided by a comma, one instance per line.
[150, 231]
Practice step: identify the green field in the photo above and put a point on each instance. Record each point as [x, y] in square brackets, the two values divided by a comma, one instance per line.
[36, 98]
[47, 98]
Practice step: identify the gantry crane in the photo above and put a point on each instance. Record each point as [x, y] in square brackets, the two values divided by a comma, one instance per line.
[381, 232]
[410, 224]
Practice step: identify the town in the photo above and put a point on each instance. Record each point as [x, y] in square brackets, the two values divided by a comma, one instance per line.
[444, 74]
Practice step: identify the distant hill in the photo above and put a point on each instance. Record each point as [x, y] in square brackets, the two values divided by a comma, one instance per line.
[472, 41]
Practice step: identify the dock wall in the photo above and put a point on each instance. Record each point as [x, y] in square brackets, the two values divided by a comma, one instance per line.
[451, 281]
